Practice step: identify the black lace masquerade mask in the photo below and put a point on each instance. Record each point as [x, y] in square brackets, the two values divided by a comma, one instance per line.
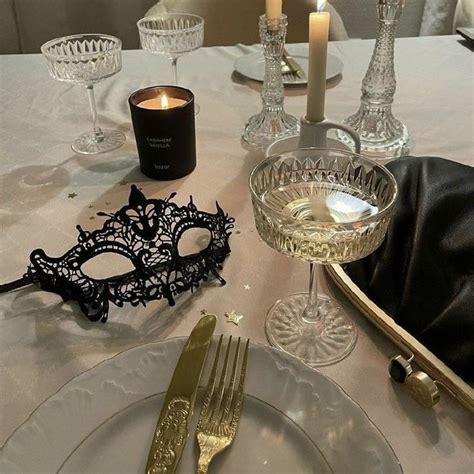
[147, 232]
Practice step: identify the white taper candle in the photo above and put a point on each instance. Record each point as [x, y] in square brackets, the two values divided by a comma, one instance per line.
[318, 45]
[273, 9]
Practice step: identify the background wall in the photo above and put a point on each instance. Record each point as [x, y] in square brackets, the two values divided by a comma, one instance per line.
[360, 17]
[37, 21]
[9, 37]
[26, 24]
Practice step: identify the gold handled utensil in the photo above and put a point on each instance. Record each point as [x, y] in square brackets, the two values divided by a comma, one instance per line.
[293, 65]
[220, 413]
[288, 74]
[173, 424]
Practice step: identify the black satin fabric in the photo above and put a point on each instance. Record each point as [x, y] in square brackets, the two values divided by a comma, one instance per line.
[423, 274]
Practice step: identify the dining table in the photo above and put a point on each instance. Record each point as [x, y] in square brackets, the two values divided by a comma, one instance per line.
[46, 190]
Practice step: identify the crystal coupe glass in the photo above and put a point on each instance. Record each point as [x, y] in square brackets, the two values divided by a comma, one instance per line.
[87, 59]
[172, 35]
[322, 206]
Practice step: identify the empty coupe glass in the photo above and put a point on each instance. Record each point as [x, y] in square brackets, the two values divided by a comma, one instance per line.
[172, 35]
[325, 207]
[86, 60]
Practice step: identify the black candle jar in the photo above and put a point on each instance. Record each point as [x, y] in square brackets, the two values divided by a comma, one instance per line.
[166, 138]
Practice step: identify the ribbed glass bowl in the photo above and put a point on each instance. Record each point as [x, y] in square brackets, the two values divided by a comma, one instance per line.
[321, 205]
[172, 34]
[84, 59]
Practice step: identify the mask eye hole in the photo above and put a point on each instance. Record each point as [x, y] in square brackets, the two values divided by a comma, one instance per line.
[193, 241]
[107, 265]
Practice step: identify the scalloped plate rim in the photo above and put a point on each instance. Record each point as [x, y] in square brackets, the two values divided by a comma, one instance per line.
[307, 376]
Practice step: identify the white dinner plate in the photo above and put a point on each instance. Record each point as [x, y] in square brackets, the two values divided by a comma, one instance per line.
[294, 419]
[253, 65]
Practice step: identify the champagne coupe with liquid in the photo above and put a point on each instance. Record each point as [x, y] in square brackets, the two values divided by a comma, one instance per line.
[324, 207]
[86, 60]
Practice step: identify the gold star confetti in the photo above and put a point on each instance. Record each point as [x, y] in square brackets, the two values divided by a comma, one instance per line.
[233, 317]
[237, 232]
[91, 218]
[246, 287]
[71, 195]
[91, 207]
[203, 311]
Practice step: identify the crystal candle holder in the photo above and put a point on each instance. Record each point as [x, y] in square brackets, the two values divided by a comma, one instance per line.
[383, 137]
[272, 123]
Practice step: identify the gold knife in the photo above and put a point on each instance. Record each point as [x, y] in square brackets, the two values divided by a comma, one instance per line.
[177, 410]
[293, 65]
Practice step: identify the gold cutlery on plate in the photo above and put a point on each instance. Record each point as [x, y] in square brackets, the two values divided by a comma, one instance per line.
[285, 68]
[288, 74]
[220, 412]
[292, 65]
[173, 424]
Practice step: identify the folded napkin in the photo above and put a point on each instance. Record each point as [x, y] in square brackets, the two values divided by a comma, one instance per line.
[423, 274]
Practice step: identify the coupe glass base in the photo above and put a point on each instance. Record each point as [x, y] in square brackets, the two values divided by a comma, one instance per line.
[324, 342]
[89, 143]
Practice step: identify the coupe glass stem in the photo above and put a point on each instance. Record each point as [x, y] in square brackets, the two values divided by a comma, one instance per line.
[311, 312]
[174, 64]
[99, 135]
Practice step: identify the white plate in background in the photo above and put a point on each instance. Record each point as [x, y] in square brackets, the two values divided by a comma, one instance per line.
[253, 65]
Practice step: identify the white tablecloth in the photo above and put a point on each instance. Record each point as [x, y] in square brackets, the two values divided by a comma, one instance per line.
[44, 343]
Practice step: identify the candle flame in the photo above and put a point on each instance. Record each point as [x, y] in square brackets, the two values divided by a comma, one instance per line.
[164, 101]
[320, 5]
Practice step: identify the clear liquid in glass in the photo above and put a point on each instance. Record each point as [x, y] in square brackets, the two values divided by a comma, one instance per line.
[317, 206]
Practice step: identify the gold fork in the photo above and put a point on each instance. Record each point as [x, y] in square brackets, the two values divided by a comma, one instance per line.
[220, 413]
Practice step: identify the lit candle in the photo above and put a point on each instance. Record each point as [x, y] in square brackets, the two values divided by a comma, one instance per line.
[318, 45]
[273, 9]
[161, 102]
[163, 123]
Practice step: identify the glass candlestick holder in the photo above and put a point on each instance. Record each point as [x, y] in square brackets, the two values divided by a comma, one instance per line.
[272, 123]
[383, 137]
